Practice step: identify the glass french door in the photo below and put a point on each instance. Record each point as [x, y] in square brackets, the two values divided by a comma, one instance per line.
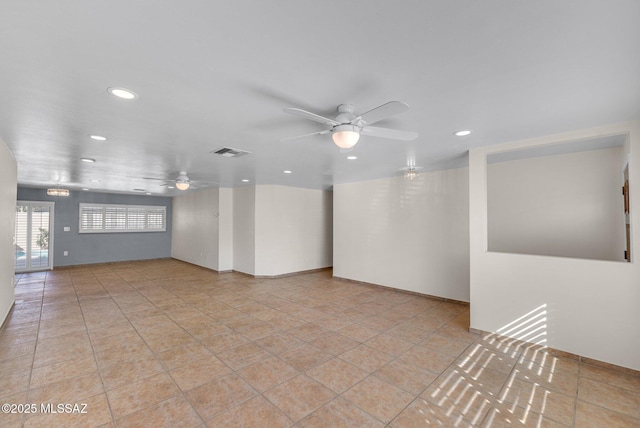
[33, 236]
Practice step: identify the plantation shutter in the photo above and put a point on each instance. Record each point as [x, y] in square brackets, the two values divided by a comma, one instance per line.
[106, 218]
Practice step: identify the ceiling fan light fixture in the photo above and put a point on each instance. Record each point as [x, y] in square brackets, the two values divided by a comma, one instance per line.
[57, 191]
[182, 185]
[411, 173]
[345, 136]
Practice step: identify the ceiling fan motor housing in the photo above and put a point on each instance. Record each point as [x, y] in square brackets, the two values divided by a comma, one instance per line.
[345, 114]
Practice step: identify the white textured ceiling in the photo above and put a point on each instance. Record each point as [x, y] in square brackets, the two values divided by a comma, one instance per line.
[214, 74]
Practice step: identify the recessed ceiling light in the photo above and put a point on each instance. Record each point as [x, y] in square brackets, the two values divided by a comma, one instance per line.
[352, 157]
[85, 189]
[148, 193]
[462, 133]
[88, 160]
[244, 180]
[287, 171]
[95, 181]
[122, 93]
[98, 137]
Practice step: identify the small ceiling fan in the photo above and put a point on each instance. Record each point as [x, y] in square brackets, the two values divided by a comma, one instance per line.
[182, 182]
[347, 126]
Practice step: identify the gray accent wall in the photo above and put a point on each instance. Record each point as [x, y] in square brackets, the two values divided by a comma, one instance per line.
[88, 248]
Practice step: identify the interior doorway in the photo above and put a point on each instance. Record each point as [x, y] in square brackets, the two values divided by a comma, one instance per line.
[33, 237]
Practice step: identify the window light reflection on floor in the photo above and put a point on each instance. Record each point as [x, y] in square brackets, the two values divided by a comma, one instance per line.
[516, 351]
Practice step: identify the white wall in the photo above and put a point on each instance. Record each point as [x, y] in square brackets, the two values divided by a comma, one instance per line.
[259, 230]
[407, 234]
[225, 229]
[195, 228]
[590, 307]
[8, 189]
[566, 205]
[293, 229]
[244, 224]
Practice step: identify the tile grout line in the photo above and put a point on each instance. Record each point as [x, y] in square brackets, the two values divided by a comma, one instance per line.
[312, 313]
[166, 371]
[575, 402]
[93, 353]
[417, 396]
[511, 374]
[258, 393]
[35, 348]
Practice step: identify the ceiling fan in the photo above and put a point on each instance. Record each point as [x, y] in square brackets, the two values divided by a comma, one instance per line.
[347, 126]
[183, 182]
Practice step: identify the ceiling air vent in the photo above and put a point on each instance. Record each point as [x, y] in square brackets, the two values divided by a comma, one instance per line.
[228, 152]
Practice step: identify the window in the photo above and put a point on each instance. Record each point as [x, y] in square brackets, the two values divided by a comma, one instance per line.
[100, 218]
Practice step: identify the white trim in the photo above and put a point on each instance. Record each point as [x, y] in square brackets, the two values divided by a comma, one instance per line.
[52, 210]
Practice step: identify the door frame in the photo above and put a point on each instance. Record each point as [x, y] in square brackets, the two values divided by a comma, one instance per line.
[52, 206]
[627, 215]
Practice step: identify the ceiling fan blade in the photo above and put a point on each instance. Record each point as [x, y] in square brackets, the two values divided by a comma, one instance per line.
[384, 111]
[393, 134]
[203, 183]
[311, 116]
[156, 179]
[326, 131]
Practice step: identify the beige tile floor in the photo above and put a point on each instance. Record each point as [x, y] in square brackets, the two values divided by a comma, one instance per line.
[165, 343]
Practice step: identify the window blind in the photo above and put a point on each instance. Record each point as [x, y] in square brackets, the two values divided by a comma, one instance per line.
[100, 218]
